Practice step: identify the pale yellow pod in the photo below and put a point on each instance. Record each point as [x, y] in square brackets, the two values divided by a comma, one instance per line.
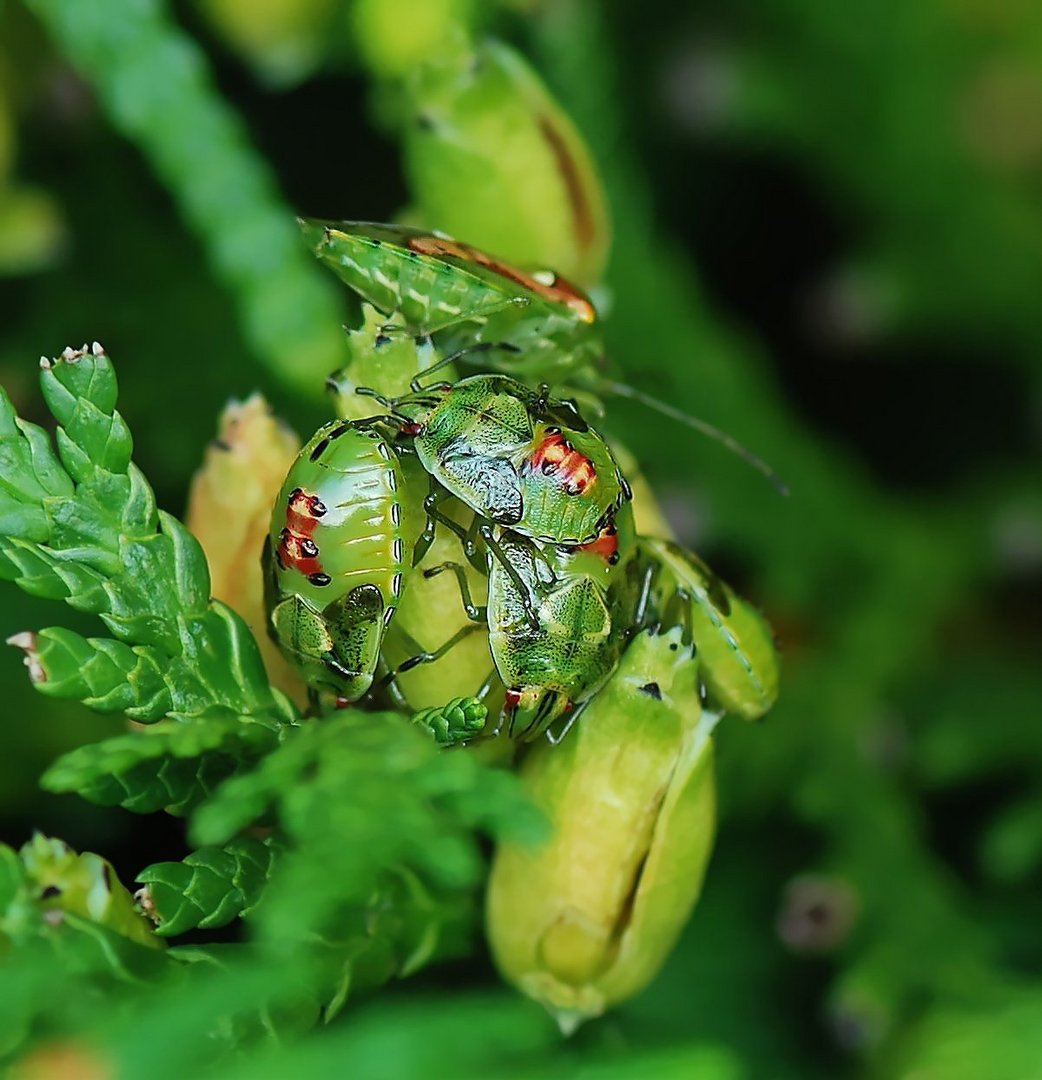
[229, 512]
[587, 919]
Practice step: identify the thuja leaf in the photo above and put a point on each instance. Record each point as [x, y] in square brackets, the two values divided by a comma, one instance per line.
[209, 888]
[198, 147]
[80, 523]
[172, 767]
[456, 722]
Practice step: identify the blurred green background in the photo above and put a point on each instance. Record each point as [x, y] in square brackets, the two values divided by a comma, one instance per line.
[827, 241]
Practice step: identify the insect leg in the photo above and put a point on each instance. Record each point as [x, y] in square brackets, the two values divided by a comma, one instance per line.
[499, 554]
[430, 656]
[434, 518]
[474, 613]
[482, 346]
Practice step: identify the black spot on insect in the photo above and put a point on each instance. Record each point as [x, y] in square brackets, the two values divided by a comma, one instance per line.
[50, 892]
[340, 429]
[381, 339]
[106, 872]
[652, 690]
[547, 468]
[673, 646]
[396, 584]
[320, 449]
[309, 548]
[396, 513]
[553, 431]
[319, 579]
[318, 508]
[613, 558]
[627, 491]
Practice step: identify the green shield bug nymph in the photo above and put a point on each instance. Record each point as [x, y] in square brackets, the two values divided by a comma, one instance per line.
[738, 659]
[585, 599]
[335, 557]
[463, 296]
[517, 458]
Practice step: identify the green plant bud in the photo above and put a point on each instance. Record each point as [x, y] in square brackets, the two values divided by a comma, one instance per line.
[383, 354]
[284, 39]
[395, 36]
[587, 919]
[456, 722]
[493, 160]
[84, 885]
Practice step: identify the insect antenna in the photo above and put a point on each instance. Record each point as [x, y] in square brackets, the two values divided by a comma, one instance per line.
[368, 391]
[702, 426]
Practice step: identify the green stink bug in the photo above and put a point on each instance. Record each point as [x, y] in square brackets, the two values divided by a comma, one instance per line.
[462, 296]
[335, 557]
[586, 602]
[518, 458]
[738, 659]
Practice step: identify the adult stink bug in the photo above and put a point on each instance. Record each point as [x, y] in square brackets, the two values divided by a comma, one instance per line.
[463, 296]
[335, 558]
[738, 659]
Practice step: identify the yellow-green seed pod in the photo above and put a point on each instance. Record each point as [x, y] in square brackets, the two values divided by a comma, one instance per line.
[394, 37]
[493, 159]
[229, 511]
[587, 919]
[283, 39]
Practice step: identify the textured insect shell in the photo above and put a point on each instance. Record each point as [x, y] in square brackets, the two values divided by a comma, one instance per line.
[569, 505]
[354, 474]
[739, 661]
[584, 611]
[437, 284]
[479, 439]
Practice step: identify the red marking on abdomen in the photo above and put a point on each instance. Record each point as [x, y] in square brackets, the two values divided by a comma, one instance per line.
[606, 545]
[556, 456]
[296, 548]
[303, 512]
[299, 552]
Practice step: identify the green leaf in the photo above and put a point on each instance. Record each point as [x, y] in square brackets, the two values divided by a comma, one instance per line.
[209, 888]
[173, 767]
[83, 526]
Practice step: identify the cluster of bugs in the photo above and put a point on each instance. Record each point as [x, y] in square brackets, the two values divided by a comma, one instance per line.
[547, 513]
